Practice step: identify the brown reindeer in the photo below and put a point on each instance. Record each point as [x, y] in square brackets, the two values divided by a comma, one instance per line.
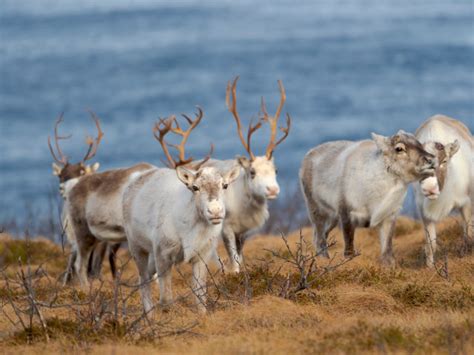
[69, 174]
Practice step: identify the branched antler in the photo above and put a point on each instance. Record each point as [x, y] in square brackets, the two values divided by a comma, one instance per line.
[273, 121]
[171, 124]
[63, 159]
[93, 145]
[232, 106]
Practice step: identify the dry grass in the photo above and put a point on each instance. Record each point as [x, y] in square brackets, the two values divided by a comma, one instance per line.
[356, 307]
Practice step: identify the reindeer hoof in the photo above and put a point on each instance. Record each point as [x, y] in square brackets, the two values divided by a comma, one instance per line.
[323, 253]
[388, 261]
[349, 253]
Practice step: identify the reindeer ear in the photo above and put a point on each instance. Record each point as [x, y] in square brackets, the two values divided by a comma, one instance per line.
[186, 176]
[95, 167]
[382, 142]
[243, 161]
[232, 174]
[452, 148]
[56, 169]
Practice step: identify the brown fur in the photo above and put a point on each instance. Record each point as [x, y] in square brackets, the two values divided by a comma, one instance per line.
[107, 182]
[71, 171]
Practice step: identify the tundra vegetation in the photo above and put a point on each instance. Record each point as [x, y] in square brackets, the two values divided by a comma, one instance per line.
[283, 300]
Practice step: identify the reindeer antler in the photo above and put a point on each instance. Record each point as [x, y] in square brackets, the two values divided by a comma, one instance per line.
[197, 166]
[231, 90]
[171, 124]
[63, 160]
[273, 121]
[162, 127]
[93, 145]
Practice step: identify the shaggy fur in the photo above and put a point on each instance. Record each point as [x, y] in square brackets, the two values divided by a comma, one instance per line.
[453, 144]
[361, 184]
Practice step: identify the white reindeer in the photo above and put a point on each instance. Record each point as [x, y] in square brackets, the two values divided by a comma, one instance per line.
[247, 198]
[453, 186]
[361, 184]
[173, 216]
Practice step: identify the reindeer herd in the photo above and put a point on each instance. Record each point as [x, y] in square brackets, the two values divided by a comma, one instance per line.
[174, 214]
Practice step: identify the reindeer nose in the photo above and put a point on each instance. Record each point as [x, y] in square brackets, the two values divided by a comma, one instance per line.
[429, 160]
[216, 211]
[216, 214]
[273, 190]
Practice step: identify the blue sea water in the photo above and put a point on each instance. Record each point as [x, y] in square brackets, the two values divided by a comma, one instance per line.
[349, 68]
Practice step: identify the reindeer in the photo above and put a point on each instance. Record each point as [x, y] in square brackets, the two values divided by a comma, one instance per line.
[94, 213]
[247, 198]
[69, 174]
[452, 188]
[174, 215]
[361, 184]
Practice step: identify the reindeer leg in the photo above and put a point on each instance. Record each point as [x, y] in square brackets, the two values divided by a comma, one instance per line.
[467, 215]
[85, 247]
[199, 284]
[348, 230]
[113, 249]
[229, 238]
[70, 268]
[386, 235]
[240, 241]
[430, 245]
[96, 259]
[164, 263]
[141, 259]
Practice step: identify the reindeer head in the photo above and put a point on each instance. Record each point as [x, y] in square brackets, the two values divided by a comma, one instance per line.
[207, 184]
[432, 186]
[405, 156]
[260, 171]
[62, 168]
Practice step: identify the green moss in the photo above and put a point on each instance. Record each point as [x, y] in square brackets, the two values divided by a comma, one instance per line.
[38, 252]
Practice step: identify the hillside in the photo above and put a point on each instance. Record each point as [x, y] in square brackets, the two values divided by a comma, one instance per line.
[335, 306]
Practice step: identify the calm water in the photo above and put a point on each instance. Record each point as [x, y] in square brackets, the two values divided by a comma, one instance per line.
[349, 68]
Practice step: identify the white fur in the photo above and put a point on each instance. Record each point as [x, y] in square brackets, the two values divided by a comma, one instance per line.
[430, 188]
[246, 202]
[458, 190]
[166, 224]
[355, 184]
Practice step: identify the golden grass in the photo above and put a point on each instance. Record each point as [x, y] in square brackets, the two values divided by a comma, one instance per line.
[358, 307]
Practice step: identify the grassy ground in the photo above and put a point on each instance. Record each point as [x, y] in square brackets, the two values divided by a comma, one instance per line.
[334, 306]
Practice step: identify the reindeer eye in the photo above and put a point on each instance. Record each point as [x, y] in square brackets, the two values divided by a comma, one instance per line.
[399, 149]
[225, 186]
[195, 188]
[252, 173]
